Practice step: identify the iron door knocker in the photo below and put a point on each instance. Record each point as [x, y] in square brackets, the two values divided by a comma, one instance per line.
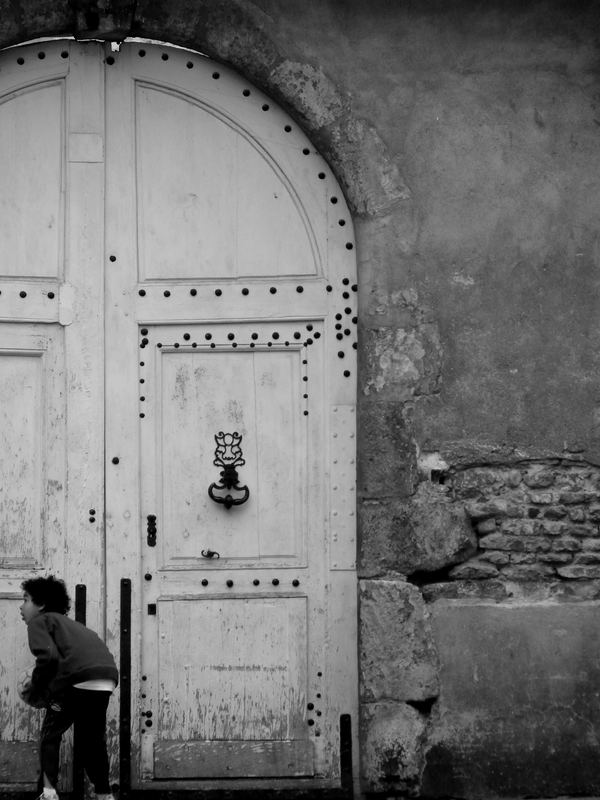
[228, 454]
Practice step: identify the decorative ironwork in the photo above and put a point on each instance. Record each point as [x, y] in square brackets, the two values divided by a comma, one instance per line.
[228, 454]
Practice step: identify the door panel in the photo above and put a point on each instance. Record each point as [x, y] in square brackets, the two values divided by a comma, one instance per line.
[230, 186]
[31, 211]
[237, 660]
[230, 310]
[32, 470]
[245, 654]
[199, 383]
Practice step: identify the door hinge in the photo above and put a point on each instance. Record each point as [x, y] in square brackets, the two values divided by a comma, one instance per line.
[151, 530]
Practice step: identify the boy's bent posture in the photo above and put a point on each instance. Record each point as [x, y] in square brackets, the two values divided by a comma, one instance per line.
[73, 678]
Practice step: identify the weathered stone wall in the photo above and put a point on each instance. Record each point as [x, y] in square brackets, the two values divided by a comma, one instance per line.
[536, 520]
[465, 136]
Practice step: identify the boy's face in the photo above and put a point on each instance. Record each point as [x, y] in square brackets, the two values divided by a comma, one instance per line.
[28, 608]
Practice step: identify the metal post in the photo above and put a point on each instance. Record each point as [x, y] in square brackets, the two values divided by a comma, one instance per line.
[125, 685]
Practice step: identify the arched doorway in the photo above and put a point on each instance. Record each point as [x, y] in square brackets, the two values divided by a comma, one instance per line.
[178, 300]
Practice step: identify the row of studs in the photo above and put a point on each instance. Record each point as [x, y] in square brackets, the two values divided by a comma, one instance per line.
[41, 55]
[23, 293]
[110, 60]
[311, 707]
[341, 332]
[245, 291]
[194, 345]
[229, 581]
[218, 292]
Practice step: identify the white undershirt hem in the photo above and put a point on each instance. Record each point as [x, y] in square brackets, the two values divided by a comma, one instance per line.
[97, 685]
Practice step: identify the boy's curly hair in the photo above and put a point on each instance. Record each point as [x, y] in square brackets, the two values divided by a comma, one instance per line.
[49, 592]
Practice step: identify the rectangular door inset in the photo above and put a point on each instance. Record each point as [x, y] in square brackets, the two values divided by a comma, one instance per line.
[232, 680]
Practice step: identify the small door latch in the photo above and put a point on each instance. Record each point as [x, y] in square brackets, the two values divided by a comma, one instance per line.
[209, 554]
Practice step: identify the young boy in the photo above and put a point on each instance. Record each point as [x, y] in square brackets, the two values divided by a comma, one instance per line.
[73, 677]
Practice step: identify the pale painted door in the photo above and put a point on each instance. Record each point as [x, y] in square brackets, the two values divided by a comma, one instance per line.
[51, 358]
[231, 309]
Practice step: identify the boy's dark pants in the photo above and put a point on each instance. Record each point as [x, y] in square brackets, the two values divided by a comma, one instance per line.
[86, 710]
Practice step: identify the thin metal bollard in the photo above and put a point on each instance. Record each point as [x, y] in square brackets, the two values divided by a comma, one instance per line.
[125, 697]
[78, 777]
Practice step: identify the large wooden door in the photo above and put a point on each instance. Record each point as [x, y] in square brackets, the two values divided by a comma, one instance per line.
[51, 353]
[209, 281]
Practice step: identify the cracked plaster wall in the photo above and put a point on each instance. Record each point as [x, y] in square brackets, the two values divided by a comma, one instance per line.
[465, 136]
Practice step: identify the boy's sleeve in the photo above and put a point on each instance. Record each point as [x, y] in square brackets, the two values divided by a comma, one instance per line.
[44, 649]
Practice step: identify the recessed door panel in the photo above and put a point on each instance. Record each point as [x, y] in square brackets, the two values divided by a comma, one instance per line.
[32, 169]
[202, 382]
[19, 727]
[242, 663]
[229, 188]
[32, 429]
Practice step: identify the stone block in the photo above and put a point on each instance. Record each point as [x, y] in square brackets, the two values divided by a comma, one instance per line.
[373, 182]
[495, 558]
[579, 572]
[590, 544]
[518, 707]
[391, 737]
[527, 572]
[586, 558]
[384, 536]
[401, 362]
[481, 511]
[555, 512]
[522, 558]
[549, 527]
[541, 498]
[398, 659]
[536, 545]
[555, 558]
[424, 534]
[501, 541]
[486, 526]
[572, 498]
[387, 466]
[317, 99]
[474, 570]
[566, 543]
[439, 533]
[578, 530]
[513, 478]
[539, 479]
